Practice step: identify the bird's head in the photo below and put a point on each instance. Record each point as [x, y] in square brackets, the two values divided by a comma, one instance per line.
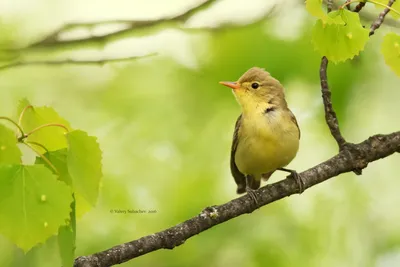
[257, 88]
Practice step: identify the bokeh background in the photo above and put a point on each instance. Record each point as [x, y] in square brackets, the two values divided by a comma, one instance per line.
[165, 127]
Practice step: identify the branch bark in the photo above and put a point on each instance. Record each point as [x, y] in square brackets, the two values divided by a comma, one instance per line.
[330, 114]
[378, 22]
[352, 157]
[132, 25]
[359, 6]
[99, 62]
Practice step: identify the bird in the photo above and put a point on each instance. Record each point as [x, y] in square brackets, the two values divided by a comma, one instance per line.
[266, 136]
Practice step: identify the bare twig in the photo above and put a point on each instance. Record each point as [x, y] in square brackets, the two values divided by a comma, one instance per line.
[330, 114]
[359, 6]
[52, 39]
[348, 4]
[352, 157]
[100, 62]
[378, 22]
[134, 28]
[329, 5]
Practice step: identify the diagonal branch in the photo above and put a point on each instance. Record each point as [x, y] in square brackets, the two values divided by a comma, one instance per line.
[52, 38]
[99, 62]
[378, 22]
[352, 157]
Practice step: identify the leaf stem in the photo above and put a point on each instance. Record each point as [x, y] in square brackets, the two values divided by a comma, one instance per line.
[38, 144]
[43, 157]
[13, 122]
[350, 2]
[370, 1]
[23, 113]
[46, 125]
[385, 6]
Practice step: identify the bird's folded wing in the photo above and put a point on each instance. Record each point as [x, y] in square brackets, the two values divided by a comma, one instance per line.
[293, 118]
[239, 177]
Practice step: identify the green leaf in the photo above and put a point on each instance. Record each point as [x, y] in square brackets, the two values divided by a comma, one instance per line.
[51, 137]
[391, 51]
[9, 152]
[314, 7]
[84, 164]
[338, 41]
[66, 240]
[59, 160]
[396, 6]
[33, 204]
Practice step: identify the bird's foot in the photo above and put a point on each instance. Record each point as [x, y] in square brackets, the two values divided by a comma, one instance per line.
[252, 194]
[296, 177]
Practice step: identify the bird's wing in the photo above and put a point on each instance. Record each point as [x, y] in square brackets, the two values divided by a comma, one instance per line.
[239, 177]
[293, 118]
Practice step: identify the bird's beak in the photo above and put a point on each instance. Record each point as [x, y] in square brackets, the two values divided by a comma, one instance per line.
[233, 85]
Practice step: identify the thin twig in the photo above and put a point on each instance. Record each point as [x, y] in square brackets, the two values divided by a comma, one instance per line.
[378, 22]
[132, 25]
[348, 4]
[385, 6]
[329, 5]
[356, 156]
[131, 29]
[100, 62]
[359, 6]
[330, 114]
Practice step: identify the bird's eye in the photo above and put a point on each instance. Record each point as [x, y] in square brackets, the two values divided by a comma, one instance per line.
[255, 85]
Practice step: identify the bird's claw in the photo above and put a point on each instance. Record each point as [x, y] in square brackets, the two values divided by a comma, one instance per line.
[296, 177]
[298, 180]
[252, 194]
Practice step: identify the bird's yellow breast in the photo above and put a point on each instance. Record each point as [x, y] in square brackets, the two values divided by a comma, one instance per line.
[267, 141]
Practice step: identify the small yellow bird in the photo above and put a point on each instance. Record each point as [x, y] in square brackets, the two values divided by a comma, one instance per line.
[266, 136]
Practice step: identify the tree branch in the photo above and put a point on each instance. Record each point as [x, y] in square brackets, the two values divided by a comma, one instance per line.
[330, 114]
[99, 62]
[134, 28]
[378, 22]
[352, 157]
[135, 25]
[359, 6]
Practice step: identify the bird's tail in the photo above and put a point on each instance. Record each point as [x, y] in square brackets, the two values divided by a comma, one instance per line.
[265, 176]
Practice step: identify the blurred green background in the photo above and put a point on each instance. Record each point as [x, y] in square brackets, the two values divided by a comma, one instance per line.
[165, 127]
